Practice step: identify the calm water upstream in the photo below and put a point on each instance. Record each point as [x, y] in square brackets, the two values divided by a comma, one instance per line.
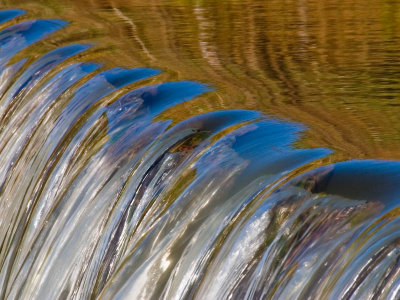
[185, 149]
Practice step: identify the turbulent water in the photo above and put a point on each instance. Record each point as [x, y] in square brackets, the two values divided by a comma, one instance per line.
[103, 197]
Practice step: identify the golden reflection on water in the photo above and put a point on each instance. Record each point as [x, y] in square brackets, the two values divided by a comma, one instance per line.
[332, 65]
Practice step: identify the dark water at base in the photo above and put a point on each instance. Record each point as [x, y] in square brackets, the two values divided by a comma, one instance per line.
[103, 196]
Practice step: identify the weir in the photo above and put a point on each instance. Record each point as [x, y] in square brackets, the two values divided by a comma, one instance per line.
[103, 197]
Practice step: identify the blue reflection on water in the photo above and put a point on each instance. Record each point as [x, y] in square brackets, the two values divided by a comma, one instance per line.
[19, 36]
[6, 15]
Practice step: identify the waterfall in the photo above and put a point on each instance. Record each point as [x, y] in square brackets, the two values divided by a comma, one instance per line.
[104, 197]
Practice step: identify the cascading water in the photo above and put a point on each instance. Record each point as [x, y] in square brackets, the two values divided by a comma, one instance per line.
[103, 198]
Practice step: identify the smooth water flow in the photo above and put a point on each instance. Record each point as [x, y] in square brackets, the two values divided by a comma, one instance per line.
[104, 197]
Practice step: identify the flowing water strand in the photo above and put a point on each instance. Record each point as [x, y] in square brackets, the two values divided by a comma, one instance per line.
[103, 197]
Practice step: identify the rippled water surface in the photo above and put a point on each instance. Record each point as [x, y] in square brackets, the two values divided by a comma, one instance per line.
[199, 149]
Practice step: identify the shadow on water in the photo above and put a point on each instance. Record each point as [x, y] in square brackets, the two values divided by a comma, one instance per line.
[103, 197]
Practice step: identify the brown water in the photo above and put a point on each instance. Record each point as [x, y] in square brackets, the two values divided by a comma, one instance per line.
[331, 65]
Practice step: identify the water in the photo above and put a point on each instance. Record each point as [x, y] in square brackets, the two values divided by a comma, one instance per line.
[152, 182]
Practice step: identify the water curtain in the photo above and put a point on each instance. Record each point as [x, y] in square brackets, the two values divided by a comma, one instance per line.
[103, 197]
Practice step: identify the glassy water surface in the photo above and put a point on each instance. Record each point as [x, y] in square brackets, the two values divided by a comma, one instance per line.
[199, 149]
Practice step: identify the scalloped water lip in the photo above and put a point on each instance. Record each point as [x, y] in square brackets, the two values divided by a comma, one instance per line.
[9, 14]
